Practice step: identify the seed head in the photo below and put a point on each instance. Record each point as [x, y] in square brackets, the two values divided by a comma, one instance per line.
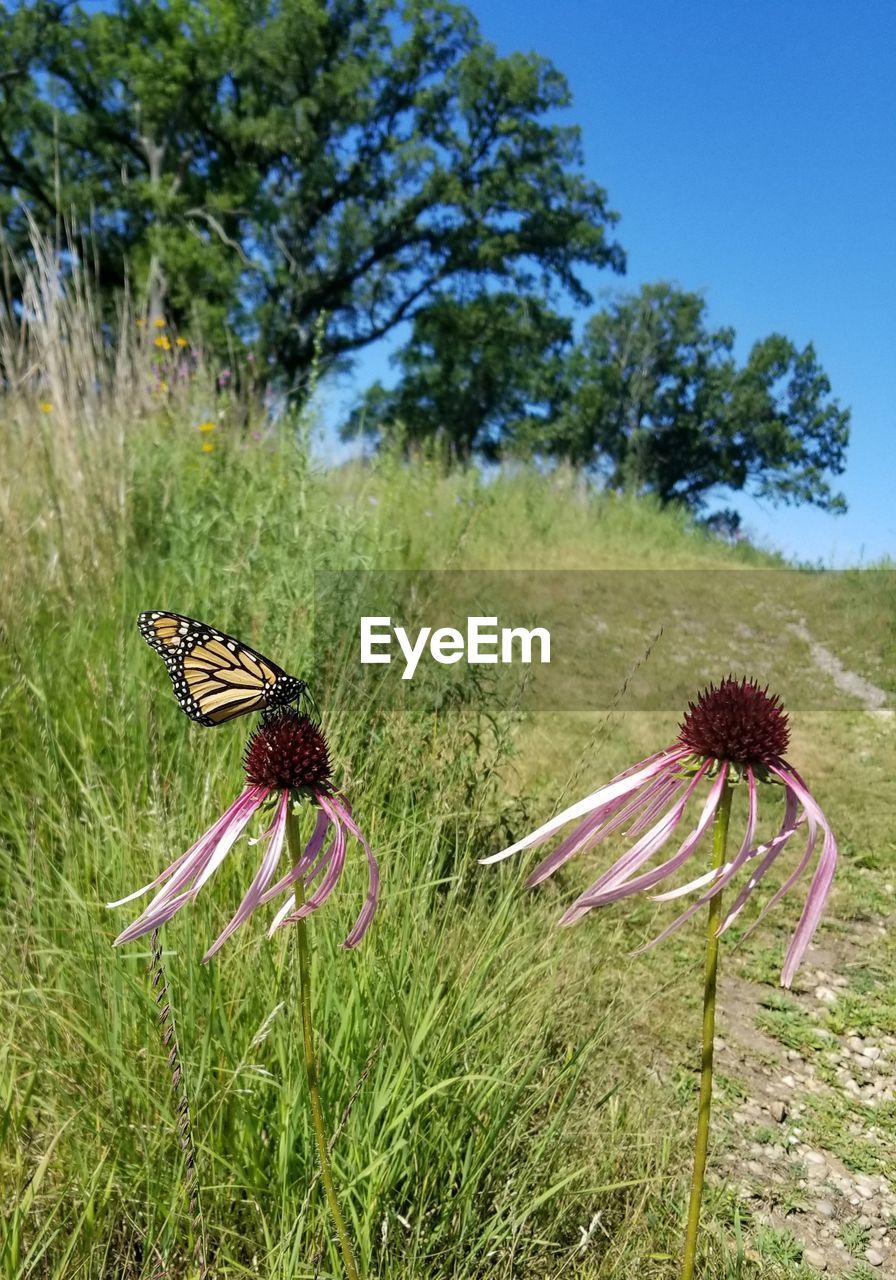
[289, 752]
[738, 722]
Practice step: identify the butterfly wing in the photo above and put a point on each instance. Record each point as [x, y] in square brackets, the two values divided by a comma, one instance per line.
[215, 677]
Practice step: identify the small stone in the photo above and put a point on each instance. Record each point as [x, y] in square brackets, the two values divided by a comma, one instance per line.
[814, 1157]
[816, 1259]
[872, 1052]
[874, 1257]
[826, 995]
[824, 1209]
[778, 1111]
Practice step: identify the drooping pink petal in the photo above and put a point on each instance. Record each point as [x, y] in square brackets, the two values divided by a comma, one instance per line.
[769, 854]
[153, 918]
[745, 852]
[207, 854]
[226, 829]
[622, 785]
[725, 874]
[813, 818]
[262, 879]
[617, 889]
[281, 915]
[821, 881]
[649, 844]
[797, 874]
[334, 870]
[209, 835]
[368, 909]
[321, 863]
[312, 849]
[659, 794]
[225, 844]
[600, 824]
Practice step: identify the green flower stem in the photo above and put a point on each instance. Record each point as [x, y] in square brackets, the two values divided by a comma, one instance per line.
[720, 840]
[311, 1070]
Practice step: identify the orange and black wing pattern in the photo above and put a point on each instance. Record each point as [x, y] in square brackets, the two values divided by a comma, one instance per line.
[215, 677]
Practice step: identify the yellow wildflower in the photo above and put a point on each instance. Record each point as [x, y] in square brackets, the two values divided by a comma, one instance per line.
[162, 387]
[141, 324]
[45, 406]
[182, 342]
[163, 343]
[207, 446]
[207, 426]
[159, 322]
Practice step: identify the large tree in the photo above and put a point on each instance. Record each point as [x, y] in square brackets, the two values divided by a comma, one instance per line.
[472, 371]
[272, 162]
[656, 400]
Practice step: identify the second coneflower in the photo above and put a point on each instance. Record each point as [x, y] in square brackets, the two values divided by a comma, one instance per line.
[736, 733]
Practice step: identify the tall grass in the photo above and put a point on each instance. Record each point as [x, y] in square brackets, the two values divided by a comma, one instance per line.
[488, 1076]
[455, 1155]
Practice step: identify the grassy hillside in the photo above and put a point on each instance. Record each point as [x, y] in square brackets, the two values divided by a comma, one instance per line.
[516, 1100]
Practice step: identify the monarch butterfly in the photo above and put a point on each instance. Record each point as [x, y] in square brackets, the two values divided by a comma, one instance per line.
[215, 677]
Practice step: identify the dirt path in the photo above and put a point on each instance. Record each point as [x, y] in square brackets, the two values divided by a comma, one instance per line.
[872, 698]
[804, 1145]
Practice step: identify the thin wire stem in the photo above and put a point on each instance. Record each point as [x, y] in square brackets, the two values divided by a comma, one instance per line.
[311, 1068]
[720, 840]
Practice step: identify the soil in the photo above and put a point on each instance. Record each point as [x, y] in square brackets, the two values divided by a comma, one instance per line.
[840, 1215]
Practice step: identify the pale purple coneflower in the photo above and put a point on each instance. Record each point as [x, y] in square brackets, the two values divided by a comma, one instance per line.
[734, 733]
[286, 760]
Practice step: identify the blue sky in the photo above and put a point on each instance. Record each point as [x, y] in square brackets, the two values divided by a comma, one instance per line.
[750, 148]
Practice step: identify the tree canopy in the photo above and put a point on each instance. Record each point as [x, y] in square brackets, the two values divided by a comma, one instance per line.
[469, 370]
[657, 401]
[308, 175]
[269, 162]
[651, 398]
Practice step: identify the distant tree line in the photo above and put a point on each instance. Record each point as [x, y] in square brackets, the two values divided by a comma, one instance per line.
[651, 398]
[305, 176]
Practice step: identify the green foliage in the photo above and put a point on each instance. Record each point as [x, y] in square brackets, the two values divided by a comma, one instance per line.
[650, 399]
[778, 1246]
[855, 1237]
[268, 163]
[471, 372]
[656, 401]
[786, 1020]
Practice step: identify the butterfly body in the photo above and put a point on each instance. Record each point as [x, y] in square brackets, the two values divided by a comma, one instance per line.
[215, 677]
